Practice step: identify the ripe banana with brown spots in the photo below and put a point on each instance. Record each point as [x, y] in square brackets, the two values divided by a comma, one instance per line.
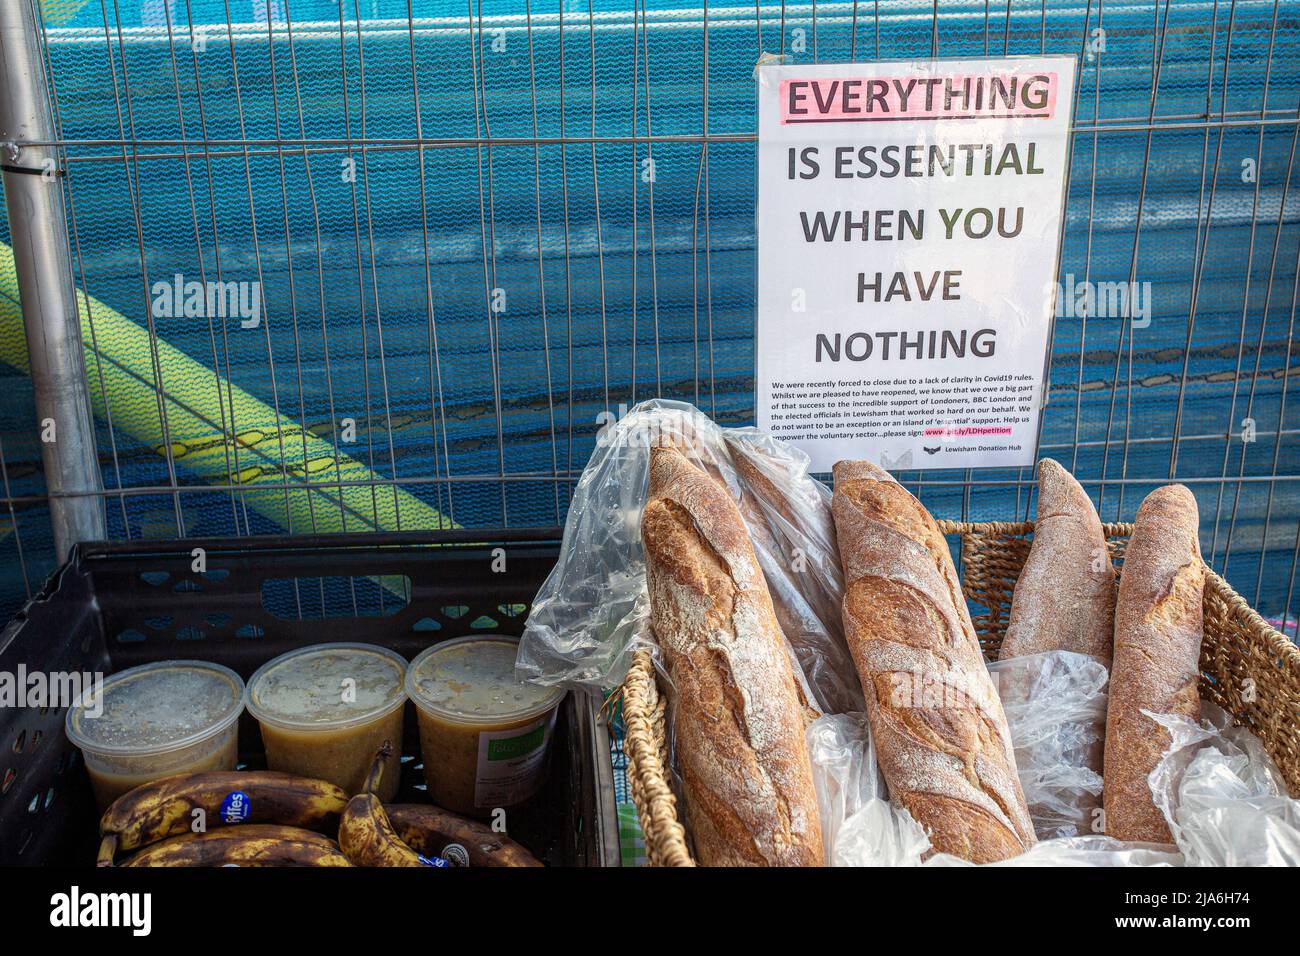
[432, 831]
[256, 844]
[367, 837]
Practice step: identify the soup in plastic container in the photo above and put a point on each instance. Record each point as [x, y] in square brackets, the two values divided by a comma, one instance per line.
[155, 721]
[484, 734]
[325, 710]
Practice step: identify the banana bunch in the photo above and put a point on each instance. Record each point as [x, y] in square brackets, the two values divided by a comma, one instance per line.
[409, 834]
[204, 816]
[265, 818]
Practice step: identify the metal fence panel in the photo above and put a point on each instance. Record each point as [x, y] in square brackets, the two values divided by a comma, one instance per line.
[475, 228]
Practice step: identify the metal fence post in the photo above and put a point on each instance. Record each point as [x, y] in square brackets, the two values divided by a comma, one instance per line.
[34, 198]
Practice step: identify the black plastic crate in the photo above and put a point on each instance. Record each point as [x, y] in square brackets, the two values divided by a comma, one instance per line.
[114, 606]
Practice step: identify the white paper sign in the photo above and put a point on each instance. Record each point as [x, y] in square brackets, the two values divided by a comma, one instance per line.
[909, 219]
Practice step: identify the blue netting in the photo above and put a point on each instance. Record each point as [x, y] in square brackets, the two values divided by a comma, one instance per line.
[656, 295]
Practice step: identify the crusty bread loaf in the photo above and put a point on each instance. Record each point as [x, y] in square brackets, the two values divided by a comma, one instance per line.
[1157, 657]
[787, 602]
[1065, 596]
[738, 726]
[939, 730]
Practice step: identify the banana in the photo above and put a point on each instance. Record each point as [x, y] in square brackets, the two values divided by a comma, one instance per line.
[435, 832]
[366, 836]
[257, 844]
[166, 808]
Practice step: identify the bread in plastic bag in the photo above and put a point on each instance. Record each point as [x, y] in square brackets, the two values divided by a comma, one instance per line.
[592, 609]
[788, 513]
[1224, 798]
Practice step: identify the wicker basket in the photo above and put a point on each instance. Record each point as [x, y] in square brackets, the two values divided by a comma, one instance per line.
[1247, 668]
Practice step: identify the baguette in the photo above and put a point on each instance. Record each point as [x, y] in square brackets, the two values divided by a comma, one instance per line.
[1065, 596]
[938, 726]
[787, 603]
[738, 725]
[1157, 657]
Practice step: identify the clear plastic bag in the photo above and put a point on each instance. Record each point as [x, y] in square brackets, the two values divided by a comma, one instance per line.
[593, 610]
[859, 826]
[1056, 710]
[1223, 797]
[870, 831]
[1090, 850]
[789, 516]
[843, 759]
[1220, 792]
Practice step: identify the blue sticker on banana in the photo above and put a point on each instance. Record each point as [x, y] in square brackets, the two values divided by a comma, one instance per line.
[236, 807]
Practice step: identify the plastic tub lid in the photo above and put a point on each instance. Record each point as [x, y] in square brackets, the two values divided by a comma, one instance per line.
[157, 708]
[305, 689]
[472, 679]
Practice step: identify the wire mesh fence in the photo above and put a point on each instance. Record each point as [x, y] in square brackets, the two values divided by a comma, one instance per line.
[361, 264]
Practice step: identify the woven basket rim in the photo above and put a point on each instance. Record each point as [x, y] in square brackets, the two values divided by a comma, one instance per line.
[648, 775]
[1113, 529]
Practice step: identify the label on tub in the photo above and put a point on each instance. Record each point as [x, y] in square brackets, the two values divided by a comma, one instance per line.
[511, 763]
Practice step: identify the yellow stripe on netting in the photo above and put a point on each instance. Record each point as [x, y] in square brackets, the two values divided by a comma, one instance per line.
[218, 431]
[56, 12]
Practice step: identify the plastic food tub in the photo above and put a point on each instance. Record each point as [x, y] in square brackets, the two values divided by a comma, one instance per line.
[484, 735]
[325, 710]
[157, 720]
